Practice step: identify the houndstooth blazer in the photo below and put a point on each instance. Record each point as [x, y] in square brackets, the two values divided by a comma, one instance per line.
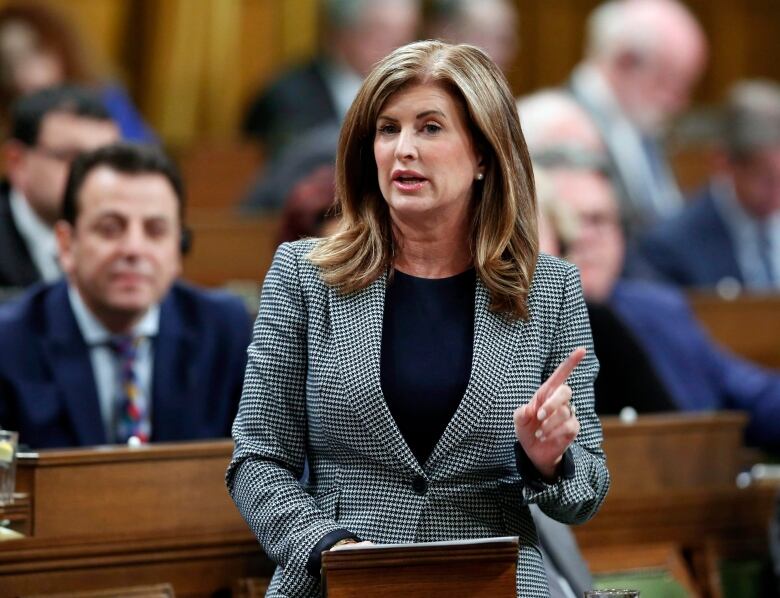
[312, 393]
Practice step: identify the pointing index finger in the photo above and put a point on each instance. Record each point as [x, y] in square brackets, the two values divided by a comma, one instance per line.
[562, 372]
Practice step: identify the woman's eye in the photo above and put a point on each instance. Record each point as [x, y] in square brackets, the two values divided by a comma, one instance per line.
[387, 129]
[432, 128]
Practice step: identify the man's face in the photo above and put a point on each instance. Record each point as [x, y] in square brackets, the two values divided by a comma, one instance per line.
[598, 247]
[654, 89]
[40, 172]
[757, 181]
[123, 253]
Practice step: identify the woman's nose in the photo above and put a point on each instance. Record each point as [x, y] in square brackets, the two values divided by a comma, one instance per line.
[406, 148]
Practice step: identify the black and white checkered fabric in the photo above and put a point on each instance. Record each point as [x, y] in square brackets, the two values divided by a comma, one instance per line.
[312, 392]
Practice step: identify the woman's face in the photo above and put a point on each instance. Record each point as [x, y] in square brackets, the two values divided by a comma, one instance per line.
[425, 156]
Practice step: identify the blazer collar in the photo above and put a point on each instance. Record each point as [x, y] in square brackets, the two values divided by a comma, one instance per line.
[357, 329]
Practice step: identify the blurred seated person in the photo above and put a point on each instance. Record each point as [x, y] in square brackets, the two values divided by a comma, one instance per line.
[626, 376]
[120, 352]
[311, 150]
[488, 24]
[39, 48]
[643, 59]
[48, 129]
[309, 210]
[696, 373]
[558, 128]
[357, 33]
[729, 236]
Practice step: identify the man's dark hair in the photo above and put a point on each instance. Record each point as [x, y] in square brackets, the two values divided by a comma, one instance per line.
[28, 112]
[126, 158]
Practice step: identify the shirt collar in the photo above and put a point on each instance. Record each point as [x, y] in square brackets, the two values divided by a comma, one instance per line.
[31, 226]
[95, 333]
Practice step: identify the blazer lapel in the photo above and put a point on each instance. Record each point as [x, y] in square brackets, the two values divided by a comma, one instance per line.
[357, 331]
[174, 374]
[497, 342]
[68, 356]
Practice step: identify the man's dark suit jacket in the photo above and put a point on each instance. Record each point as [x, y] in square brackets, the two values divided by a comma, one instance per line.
[694, 248]
[47, 387]
[296, 102]
[17, 268]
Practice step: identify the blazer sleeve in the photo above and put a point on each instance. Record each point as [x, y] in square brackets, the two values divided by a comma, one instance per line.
[575, 498]
[270, 430]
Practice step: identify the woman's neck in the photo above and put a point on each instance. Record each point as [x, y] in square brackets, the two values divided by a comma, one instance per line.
[432, 253]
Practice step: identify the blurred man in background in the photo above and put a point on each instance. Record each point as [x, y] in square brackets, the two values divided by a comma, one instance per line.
[357, 33]
[695, 372]
[729, 235]
[488, 24]
[119, 352]
[643, 58]
[49, 128]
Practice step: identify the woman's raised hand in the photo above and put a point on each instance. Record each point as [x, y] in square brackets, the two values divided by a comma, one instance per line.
[547, 424]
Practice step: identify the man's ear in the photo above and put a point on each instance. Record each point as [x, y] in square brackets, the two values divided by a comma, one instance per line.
[64, 234]
[14, 157]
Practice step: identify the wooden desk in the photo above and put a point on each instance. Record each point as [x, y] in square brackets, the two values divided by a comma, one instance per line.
[114, 516]
[673, 482]
[748, 325]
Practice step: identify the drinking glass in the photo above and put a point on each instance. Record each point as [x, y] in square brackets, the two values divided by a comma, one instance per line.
[8, 446]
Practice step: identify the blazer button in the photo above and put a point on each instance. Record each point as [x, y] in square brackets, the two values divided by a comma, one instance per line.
[420, 485]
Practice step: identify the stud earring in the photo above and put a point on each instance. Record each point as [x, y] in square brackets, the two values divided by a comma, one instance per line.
[480, 176]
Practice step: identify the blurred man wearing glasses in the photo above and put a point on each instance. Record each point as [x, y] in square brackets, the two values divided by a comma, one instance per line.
[48, 129]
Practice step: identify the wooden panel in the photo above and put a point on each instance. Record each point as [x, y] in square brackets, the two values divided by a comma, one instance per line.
[76, 491]
[749, 325]
[115, 516]
[217, 176]
[640, 454]
[196, 565]
[228, 247]
[155, 591]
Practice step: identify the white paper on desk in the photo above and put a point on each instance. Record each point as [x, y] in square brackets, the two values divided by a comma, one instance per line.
[474, 542]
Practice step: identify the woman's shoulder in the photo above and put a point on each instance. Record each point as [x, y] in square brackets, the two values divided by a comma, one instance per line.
[292, 258]
[551, 271]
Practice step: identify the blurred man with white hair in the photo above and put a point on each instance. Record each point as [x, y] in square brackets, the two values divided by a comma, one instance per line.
[643, 58]
[729, 236]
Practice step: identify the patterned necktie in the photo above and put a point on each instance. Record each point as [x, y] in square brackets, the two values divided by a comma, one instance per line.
[131, 415]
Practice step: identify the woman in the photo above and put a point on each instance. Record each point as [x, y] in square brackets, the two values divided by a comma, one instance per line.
[411, 359]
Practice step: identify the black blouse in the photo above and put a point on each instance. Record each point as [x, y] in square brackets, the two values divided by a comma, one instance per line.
[427, 347]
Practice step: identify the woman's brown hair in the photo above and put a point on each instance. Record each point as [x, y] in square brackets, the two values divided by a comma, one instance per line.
[503, 235]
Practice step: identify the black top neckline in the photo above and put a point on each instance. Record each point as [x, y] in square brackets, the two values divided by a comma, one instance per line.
[454, 277]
